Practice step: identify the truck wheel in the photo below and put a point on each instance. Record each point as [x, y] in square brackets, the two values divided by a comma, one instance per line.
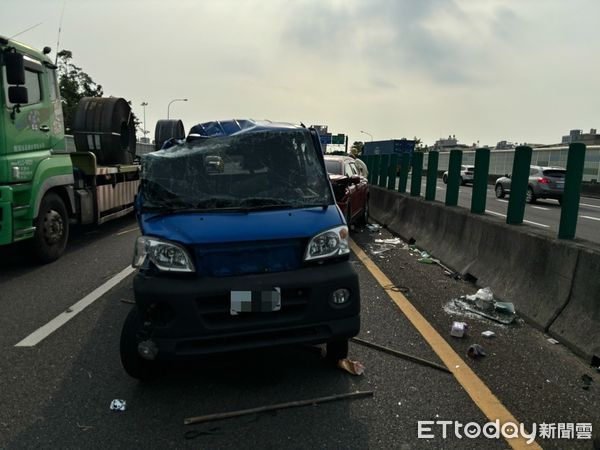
[51, 229]
[133, 363]
[337, 350]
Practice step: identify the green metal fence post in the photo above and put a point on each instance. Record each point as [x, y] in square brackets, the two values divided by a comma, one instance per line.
[570, 199]
[383, 170]
[453, 177]
[480, 180]
[417, 174]
[367, 159]
[432, 168]
[518, 185]
[404, 166]
[391, 184]
[376, 163]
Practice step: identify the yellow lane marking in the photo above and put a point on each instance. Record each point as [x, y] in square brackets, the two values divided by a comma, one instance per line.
[483, 397]
[127, 231]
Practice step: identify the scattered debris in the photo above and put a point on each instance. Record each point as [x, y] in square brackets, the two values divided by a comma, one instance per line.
[126, 300]
[424, 254]
[476, 351]
[458, 329]
[552, 341]
[118, 405]
[393, 287]
[393, 241]
[245, 412]
[412, 241]
[352, 367]
[84, 427]
[483, 304]
[488, 334]
[373, 227]
[587, 381]
[399, 354]
[425, 260]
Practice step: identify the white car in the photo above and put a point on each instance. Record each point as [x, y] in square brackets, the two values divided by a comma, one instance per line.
[466, 175]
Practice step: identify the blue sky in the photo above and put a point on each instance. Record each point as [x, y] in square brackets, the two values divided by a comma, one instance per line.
[483, 70]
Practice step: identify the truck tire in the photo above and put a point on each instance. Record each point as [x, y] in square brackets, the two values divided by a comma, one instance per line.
[105, 127]
[133, 363]
[167, 129]
[51, 229]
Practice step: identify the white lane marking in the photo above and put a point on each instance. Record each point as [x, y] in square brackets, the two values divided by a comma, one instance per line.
[541, 207]
[42, 333]
[528, 221]
[537, 224]
[127, 231]
[591, 206]
[591, 218]
[503, 201]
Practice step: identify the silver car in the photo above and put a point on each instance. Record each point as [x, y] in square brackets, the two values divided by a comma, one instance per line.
[544, 182]
[466, 175]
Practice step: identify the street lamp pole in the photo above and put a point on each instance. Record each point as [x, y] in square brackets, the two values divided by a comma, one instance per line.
[175, 100]
[368, 134]
[145, 131]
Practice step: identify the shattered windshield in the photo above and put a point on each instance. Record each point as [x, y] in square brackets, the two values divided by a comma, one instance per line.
[258, 170]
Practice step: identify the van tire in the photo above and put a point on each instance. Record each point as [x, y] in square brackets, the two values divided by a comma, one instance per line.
[51, 229]
[133, 363]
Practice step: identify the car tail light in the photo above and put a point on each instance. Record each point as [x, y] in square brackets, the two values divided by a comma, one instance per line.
[544, 180]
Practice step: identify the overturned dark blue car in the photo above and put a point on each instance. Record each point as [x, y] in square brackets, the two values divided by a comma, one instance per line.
[242, 247]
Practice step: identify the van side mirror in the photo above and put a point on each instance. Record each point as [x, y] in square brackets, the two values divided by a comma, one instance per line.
[15, 68]
[17, 95]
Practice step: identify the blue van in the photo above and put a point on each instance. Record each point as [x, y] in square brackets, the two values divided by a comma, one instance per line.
[242, 247]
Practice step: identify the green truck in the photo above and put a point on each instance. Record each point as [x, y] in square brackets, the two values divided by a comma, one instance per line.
[46, 185]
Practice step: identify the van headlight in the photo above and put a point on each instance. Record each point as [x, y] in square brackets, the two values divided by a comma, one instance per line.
[166, 256]
[328, 244]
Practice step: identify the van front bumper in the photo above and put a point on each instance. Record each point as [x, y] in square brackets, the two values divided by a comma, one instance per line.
[187, 317]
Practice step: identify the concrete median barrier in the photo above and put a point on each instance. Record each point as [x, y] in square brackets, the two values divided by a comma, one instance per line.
[578, 326]
[533, 270]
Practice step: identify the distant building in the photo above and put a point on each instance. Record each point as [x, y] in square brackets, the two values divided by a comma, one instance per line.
[591, 138]
[451, 143]
[505, 145]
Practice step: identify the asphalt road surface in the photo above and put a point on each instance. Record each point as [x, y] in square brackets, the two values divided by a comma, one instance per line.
[544, 215]
[56, 393]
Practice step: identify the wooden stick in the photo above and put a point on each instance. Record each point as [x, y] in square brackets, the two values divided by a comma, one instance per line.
[400, 354]
[245, 412]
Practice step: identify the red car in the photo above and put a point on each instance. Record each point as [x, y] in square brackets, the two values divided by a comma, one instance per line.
[351, 189]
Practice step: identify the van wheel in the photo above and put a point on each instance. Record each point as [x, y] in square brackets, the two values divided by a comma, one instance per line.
[445, 178]
[133, 363]
[499, 191]
[337, 350]
[364, 217]
[530, 196]
[51, 229]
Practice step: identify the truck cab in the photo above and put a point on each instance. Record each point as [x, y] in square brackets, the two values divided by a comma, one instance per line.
[45, 186]
[242, 247]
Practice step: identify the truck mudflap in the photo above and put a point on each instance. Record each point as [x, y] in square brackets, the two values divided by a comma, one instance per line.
[6, 217]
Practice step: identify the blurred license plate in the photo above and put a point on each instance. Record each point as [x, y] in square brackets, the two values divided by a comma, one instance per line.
[255, 301]
[560, 185]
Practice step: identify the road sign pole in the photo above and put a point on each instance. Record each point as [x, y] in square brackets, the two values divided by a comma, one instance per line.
[404, 166]
[417, 174]
[480, 180]
[518, 185]
[432, 168]
[453, 177]
[572, 192]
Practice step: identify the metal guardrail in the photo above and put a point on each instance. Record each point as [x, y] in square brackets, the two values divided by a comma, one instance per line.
[383, 166]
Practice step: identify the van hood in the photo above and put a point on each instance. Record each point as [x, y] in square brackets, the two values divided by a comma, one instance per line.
[222, 227]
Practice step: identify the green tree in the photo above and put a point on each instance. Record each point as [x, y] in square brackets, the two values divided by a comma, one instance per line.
[74, 84]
